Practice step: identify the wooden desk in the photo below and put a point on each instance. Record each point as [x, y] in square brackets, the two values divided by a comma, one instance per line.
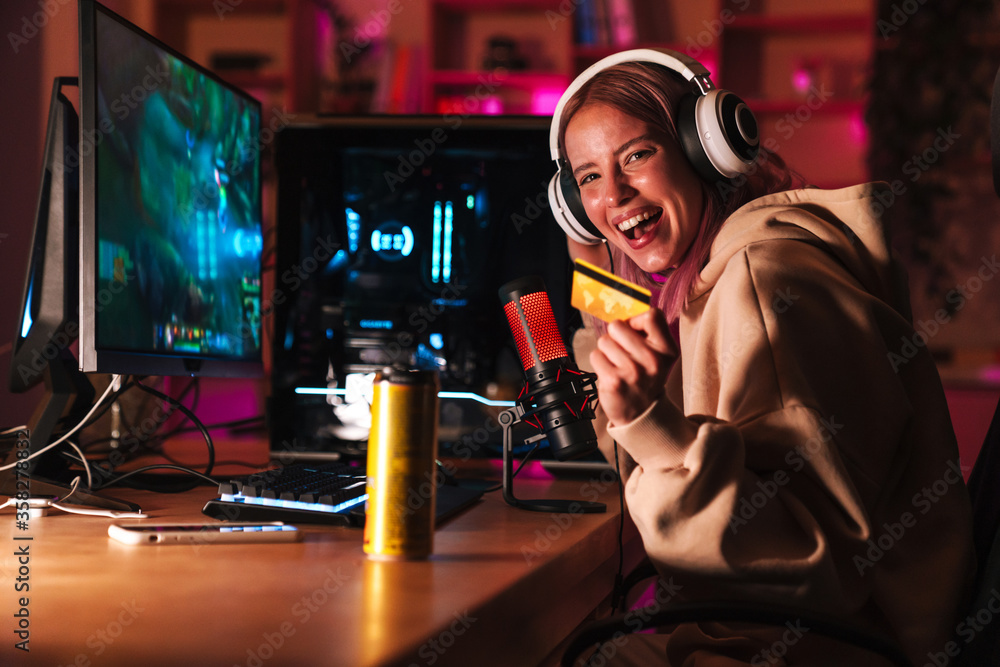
[504, 587]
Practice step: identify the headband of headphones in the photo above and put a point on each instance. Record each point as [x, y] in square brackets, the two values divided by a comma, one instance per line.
[687, 67]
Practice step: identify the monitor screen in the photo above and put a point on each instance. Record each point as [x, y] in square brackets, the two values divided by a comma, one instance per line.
[170, 238]
[394, 237]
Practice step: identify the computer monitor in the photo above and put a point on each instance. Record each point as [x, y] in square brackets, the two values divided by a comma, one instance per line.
[146, 251]
[395, 234]
[171, 237]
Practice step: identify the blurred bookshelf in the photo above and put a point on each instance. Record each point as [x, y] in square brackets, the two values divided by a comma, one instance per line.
[803, 67]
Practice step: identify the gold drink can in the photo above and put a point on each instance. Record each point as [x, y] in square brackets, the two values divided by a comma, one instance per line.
[402, 449]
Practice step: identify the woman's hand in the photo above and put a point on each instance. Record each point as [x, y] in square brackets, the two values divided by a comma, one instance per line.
[632, 361]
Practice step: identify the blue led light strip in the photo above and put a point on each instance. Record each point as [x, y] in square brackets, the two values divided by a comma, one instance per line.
[353, 229]
[448, 225]
[26, 320]
[436, 244]
[441, 394]
[294, 504]
[474, 397]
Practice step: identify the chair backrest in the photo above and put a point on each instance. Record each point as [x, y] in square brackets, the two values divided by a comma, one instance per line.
[983, 639]
[979, 635]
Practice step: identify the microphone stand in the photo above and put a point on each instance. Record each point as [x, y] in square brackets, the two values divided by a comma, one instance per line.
[507, 419]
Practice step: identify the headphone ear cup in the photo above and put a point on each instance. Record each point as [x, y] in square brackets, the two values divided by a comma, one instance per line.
[719, 134]
[567, 208]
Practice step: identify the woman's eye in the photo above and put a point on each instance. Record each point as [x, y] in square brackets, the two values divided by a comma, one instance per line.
[587, 179]
[638, 155]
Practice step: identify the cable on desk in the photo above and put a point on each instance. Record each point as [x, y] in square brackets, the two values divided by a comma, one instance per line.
[65, 436]
[196, 385]
[150, 443]
[151, 484]
[162, 488]
[256, 420]
[85, 463]
[38, 506]
[194, 420]
[126, 384]
[161, 440]
[171, 487]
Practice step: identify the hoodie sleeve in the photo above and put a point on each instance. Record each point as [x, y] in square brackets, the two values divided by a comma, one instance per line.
[794, 442]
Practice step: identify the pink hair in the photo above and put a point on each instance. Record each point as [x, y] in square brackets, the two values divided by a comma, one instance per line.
[651, 93]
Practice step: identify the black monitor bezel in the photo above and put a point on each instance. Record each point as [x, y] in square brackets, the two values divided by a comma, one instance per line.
[93, 359]
[54, 252]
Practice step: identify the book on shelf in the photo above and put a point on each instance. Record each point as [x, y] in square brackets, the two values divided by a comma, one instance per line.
[398, 84]
[622, 23]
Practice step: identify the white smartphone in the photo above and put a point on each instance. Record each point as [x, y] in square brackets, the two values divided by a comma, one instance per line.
[203, 533]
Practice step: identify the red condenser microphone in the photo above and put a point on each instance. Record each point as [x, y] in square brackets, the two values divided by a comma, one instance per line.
[557, 397]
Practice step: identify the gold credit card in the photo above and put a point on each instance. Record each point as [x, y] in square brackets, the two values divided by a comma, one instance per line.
[605, 295]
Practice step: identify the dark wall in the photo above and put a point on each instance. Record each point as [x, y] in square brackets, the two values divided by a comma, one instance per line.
[21, 129]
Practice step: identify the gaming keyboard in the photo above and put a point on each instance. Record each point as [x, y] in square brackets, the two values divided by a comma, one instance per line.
[325, 493]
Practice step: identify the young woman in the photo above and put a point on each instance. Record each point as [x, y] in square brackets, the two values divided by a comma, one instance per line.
[796, 445]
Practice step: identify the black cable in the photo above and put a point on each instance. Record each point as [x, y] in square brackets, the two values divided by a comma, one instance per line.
[244, 464]
[69, 421]
[162, 488]
[141, 441]
[194, 420]
[171, 459]
[126, 384]
[517, 470]
[153, 442]
[180, 397]
[161, 439]
[197, 394]
[247, 421]
[150, 484]
[620, 577]
[618, 594]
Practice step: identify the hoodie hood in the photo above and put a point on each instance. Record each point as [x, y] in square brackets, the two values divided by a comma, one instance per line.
[846, 223]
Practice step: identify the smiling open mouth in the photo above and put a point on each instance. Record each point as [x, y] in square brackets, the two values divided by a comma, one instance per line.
[638, 225]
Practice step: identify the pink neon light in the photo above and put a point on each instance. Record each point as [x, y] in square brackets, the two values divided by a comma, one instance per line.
[544, 100]
[859, 129]
[802, 78]
[492, 106]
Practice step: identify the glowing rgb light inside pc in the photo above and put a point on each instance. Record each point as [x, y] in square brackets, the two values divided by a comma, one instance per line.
[443, 228]
[392, 241]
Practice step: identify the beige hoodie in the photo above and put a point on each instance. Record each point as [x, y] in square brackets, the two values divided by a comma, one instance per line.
[803, 450]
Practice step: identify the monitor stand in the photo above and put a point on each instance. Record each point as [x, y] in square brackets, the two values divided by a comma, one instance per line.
[67, 393]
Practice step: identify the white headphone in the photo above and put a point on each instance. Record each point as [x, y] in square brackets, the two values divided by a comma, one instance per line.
[717, 131]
